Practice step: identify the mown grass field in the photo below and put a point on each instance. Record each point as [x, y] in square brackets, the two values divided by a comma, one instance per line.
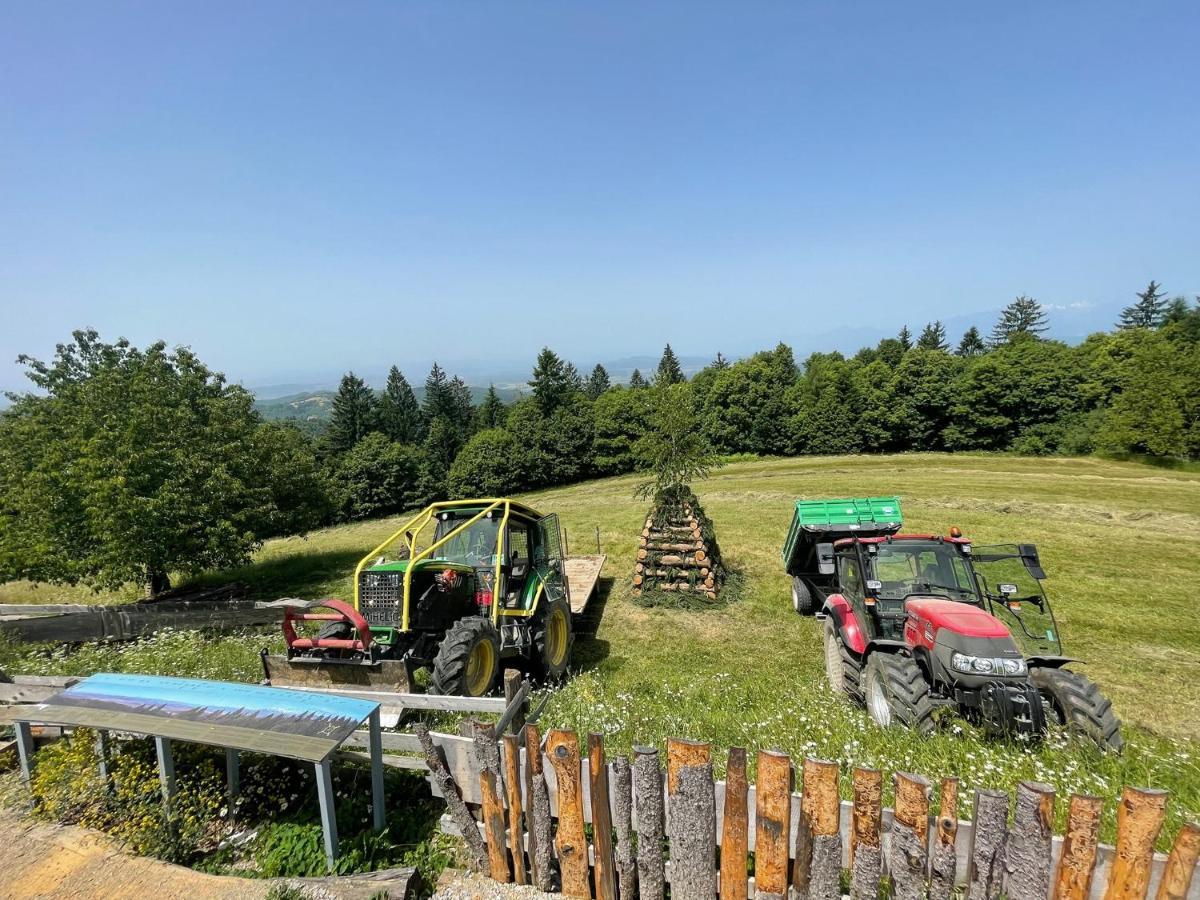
[1119, 541]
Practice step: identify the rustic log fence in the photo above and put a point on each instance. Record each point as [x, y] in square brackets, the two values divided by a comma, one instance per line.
[654, 826]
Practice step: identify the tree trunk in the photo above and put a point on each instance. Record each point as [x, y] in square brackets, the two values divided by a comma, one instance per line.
[157, 580]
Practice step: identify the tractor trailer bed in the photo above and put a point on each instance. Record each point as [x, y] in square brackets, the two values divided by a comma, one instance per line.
[583, 573]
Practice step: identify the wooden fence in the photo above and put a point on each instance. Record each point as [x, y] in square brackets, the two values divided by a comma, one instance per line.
[735, 840]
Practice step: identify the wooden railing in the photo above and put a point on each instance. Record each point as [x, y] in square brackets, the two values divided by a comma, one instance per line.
[737, 840]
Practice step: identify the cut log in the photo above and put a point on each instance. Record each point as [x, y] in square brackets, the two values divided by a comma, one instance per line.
[463, 820]
[648, 792]
[692, 820]
[1181, 864]
[491, 788]
[943, 866]
[537, 800]
[1139, 819]
[735, 827]
[1028, 844]
[772, 817]
[1077, 862]
[562, 747]
[604, 863]
[910, 831]
[984, 873]
[512, 787]
[866, 855]
[623, 825]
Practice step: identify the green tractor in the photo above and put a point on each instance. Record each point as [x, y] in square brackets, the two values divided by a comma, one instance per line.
[457, 589]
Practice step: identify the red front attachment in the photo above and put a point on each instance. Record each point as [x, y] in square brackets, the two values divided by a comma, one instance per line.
[343, 612]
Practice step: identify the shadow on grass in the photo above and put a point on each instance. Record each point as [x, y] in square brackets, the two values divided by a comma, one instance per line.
[309, 576]
[589, 650]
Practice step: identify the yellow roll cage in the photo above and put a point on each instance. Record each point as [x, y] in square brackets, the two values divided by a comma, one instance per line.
[413, 527]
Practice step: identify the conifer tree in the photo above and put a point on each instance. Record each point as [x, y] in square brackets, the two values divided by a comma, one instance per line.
[354, 414]
[971, 344]
[551, 382]
[933, 337]
[399, 412]
[1149, 311]
[669, 370]
[491, 412]
[637, 381]
[720, 362]
[1023, 318]
[905, 338]
[598, 382]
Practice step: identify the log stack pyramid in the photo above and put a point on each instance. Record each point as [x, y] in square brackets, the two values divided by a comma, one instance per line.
[678, 550]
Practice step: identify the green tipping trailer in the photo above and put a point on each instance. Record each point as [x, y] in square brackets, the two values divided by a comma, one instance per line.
[816, 524]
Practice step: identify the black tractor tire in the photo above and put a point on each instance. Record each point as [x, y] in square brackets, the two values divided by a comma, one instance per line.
[802, 597]
[468, 659]
[1075, 702]
[553, 639]
[843, 670]
[896, 693]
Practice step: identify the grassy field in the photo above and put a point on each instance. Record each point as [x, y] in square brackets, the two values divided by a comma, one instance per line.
[1118, 541]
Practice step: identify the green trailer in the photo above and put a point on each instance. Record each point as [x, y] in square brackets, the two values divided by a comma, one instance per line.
[816, 525]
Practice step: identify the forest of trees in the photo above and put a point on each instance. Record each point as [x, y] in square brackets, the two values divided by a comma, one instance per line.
[124, 465]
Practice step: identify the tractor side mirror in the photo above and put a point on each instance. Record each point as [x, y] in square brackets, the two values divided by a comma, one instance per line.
[825, 563]
[1033, 564]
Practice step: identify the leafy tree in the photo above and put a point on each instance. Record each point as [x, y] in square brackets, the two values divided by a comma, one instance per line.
[1182, 322]
[746, 407]
[971, 344]
[354, 414]
[827, 417]
[1022, 319]
[491, 412]
[673, 449]
[556, 446]
[488, 466]
[905, 338]
[890, 351]
[923, 395]
[669, 370]
[552, 383]
[399, 413]
[598, 382]
[637, 381]
[376, 477]
[129, 464]
[1148, 312]
[620, 419]
[933, 337]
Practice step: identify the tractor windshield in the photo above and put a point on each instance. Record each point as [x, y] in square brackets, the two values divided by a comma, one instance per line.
[474, 546]
[1010, 577]
[904, 568]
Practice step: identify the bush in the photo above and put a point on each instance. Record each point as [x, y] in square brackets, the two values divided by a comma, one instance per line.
[488, 466]
[376, 477]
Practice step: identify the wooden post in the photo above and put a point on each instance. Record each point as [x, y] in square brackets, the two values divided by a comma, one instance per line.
[822, 807]
[1028, 843]
[910, 834]
[166, 774]
[104, 763]
[735, 836]
[563, 749]
[604, 871]
[375, 737]
[623, 825]
[944, 863]
[537, 798]
[512, 686]
[772, 827]
[512, 786]
[463, 819]
[24, 735]
[691, 819]
[987, 838]
[328, 815]
[1177, 876]
[1073, 881]
[866, 853]
[1139, 819]
[648, 791]
[491, 790]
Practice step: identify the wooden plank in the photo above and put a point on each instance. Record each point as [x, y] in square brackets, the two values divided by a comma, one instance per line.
[736, 827]
[537, 801]
[131, 620]
[1181, 864]
[415, 701]
[772, 827]
[516, 700]
[908, 855]
[604, 863]
[512, 787]
[821, 818]
[1077, 860]
[582, 574]
[1029, 842]
[622, 804]
[27, 693]
[985, 869]
[943, 865]
[1139, 819]
[648, 793]
[562, 748]
[691, 820]
[41, 609]
[866, 846]
[491, 787]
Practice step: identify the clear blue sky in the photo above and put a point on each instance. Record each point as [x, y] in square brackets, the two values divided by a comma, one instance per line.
[296, 189]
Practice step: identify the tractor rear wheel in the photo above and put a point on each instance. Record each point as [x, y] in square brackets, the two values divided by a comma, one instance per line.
[1075, 702]
[842, 668]
[552, 640]
[468, 659]
[897, 693]
[802, 598]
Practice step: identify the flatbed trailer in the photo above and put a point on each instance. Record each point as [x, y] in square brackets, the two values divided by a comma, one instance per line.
[583, 574]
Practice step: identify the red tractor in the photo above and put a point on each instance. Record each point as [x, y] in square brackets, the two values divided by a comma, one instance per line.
[914, 623]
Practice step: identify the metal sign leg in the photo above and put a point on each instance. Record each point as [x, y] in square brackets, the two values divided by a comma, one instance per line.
[377, 773]
[24, 749]
[328, 818]
[233, 776]
[166, 772]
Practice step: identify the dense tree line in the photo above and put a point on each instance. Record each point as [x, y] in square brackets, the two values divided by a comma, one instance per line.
[128, 465]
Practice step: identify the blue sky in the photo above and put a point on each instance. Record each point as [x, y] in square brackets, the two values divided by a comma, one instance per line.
[295, 189]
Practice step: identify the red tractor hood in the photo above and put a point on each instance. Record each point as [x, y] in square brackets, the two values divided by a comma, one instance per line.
[959, 618]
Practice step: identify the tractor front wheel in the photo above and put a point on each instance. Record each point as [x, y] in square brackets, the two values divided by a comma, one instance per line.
[843, 669]
[897, 693]
[1075, 702]
[802, 598]
[552, 640]
[468, 659]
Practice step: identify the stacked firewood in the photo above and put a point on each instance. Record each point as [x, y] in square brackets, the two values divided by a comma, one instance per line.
[677, 550]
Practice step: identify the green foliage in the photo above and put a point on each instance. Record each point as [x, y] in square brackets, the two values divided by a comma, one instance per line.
[376, 477]
[489, 465]
[598, 382]
[1022, 319]
[399, 414]
[552, 382]
[354, 415]
[669, 371]
[673, 449]
[933, 337]
[1148, 312]
[620, 417]
[971, 344]
[555, 446]
[905, 338]
[636, 380]
[492, 412]
[746, 409]
[131, 464]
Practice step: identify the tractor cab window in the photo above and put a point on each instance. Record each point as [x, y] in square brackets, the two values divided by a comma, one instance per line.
[518, 562]
[849, 577]
[473, 546]
[904, 569]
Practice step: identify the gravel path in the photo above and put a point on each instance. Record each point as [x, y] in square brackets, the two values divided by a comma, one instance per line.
[476, 887]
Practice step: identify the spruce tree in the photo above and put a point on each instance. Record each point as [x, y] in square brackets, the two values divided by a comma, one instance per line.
[598, 382]
[971, 344]
[399, 412]
[720, 362]
[933, 337]
[574, 379]
[905, 338]
[492, 412]
[1149, 311]
[669, 370]
[354, 414]
[1023, 318]
[437, 394]
[551, 382]
[637, 381]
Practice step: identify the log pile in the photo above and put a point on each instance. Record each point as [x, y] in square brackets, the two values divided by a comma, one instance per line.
[678, 550]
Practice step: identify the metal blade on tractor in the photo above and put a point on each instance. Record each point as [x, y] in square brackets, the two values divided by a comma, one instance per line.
[301, 672]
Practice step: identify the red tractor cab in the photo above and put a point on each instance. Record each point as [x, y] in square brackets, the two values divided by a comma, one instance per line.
[914, 623]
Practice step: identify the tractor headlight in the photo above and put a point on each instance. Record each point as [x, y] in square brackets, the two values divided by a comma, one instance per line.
[986, 665]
